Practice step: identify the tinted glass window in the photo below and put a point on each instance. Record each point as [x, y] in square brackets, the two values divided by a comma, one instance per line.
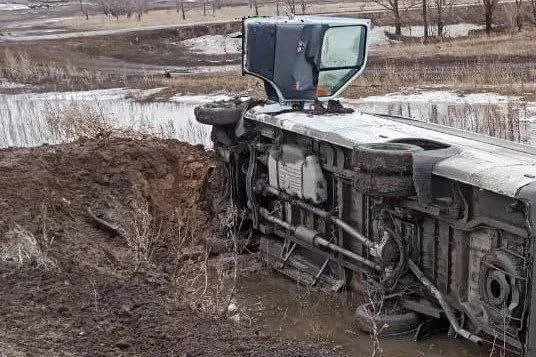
[342, 56]
[343, 47]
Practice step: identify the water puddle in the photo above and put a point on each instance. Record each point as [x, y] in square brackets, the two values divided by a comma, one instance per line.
[285, 309]
[25, 119]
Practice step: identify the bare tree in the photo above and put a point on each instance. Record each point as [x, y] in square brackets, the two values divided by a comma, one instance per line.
[303, 6]
[181, 8]
[519, 14]
[140, 7]
[278, 7]
[440, 6]
[489, 9]
[443, 10]
[533, 5]
[425, 17]
[396, 7]
[291, 6]
[205, 5]
[255, 4]
[118, 8]
[84, 10]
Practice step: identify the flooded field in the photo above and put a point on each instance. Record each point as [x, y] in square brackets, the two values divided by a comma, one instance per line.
[498, 116]
[30, 119]
[27, 119]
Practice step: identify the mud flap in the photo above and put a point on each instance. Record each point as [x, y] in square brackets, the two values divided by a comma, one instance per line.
[311, 268]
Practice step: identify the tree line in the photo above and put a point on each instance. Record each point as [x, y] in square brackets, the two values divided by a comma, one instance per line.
[434, 14]
[438, 12]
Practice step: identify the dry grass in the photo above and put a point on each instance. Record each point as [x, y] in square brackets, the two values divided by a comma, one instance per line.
[20, 67]
[498, 63]
[229, 83]
[208, 285]
[468, 64]
[493, 77]
[194, 14]
[496, 47]
[142, 233]
[20, 246]
[76, 120]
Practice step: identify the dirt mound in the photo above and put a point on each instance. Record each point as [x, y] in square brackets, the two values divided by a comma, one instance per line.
[72, 286]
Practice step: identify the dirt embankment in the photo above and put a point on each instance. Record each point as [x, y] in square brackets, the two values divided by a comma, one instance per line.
[69, 286]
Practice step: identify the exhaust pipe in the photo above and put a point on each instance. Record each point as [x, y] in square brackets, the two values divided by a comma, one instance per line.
[374, 248]
[313, 237]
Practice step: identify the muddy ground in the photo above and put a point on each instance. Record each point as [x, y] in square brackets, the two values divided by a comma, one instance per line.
[163, 277]
[73, 287]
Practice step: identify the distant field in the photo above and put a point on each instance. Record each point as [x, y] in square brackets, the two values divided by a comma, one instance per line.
[503, 62]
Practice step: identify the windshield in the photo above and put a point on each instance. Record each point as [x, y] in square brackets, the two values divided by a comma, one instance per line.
[342, 56]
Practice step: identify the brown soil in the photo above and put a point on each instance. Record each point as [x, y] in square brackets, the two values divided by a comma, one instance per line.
[89, 292]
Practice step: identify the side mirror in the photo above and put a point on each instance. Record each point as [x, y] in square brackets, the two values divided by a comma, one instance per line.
[305, 58]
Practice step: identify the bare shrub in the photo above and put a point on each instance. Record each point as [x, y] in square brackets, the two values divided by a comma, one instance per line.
[375, 309]
[519, 14]
[127, 8]
[76, 120]
[84, 9]
[396, 8]
[182, 8]
[142, 233]
[489, 10]
[22, 248]
[293, 6]
[255, 4]
[208, 285]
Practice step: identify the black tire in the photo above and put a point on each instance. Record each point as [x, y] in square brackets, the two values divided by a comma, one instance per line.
[225, 112]
[384, 185]
[220, 137]
[385, 157]
[386, 324]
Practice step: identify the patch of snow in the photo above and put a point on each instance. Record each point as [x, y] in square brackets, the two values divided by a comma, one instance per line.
[199, 99]
[439, 97]
[13, 7]
[531, 112]
[93, 95]
[25, 24]
[378, 36]
[12, 85]
[215, 44]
